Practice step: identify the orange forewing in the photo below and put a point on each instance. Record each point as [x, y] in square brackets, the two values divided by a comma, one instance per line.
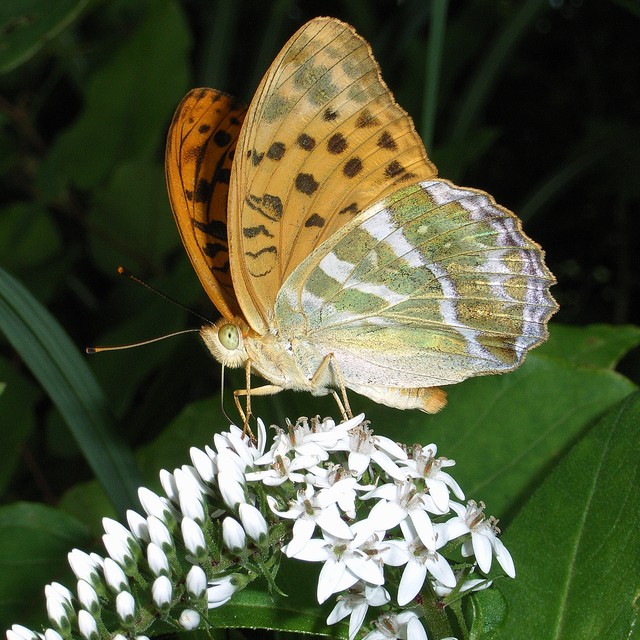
[323, 140]
[200, 147]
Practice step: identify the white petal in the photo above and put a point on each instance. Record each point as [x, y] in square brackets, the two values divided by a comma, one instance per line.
[386, 515]
[159, 533]
[394, 553]
[253, 522]
[204, 464]
[114, 576]
[87, 624]
[358, 462]
[411, 582]
[196, 581]
[189, 619]
[233, 534]
[366, 569]
[390, 447]
[357, 618]
[314, 551]
[388, 465]
[482, 551]
[422, 523]
[157, 560]
[125, 606]
[303, 529]
[193, 536]
[440, 494]
[440, 569]
[415, 630]
[342, 609]
[87, 595]
[329, 520]
[504, 558]
[330, 579]
[138, 525]
[161, 591]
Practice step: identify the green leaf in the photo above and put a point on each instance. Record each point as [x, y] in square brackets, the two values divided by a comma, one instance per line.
[489, 613]
[298, 611]
[576, 543]
[128, 103]
[34, 542]
[600, 345]
[18, 397]
[27, 235]
[28, 25]
[64, 374]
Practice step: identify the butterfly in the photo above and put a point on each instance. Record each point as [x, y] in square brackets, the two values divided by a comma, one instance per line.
[337, 258]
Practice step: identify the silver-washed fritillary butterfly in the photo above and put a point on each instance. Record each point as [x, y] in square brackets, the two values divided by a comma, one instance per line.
[337, 258]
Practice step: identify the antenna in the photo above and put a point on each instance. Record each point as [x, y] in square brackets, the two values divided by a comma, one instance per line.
[91, 350]
[125, 272]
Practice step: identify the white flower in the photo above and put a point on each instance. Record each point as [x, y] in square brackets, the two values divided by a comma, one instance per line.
[423, 464]
[125, 607]
[159, 534]
[114, 576]
[281, 470]
[484, 541]
[220, 591]
[157, 559]
[400, 501]
[356, 603]
[344, 564]
[118, 549]
[364, 447]
[191, 506]
[138, 525]
[422, 561]
[204, 464]
[253, 522]
[60, 590]
[154, 505]
[84, 566]
[307, 513]
[231, 490]
[18, 632]
[193, 537]
[233, 535]
[58, 607]
[189, 619]
[168, 482]
[87, 625]
[88, 597]
[52, 634]
[161, 592]
[196, 581]
[339, 486]
[405, 625]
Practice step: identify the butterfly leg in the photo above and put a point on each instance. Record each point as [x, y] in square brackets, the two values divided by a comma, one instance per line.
[343, 403]
[265, 390]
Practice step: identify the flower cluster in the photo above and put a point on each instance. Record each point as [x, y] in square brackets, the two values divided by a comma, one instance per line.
[381, 519]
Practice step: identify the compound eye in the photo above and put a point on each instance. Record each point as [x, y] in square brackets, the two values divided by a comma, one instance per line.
[229, 336]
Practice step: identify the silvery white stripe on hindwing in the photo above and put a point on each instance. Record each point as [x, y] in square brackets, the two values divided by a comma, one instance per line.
[509, 239]
[382, 227]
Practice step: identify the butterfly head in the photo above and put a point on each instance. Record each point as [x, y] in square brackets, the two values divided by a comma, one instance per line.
[225, 340]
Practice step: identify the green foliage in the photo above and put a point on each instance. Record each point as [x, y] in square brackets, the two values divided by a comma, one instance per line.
[532, 103]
